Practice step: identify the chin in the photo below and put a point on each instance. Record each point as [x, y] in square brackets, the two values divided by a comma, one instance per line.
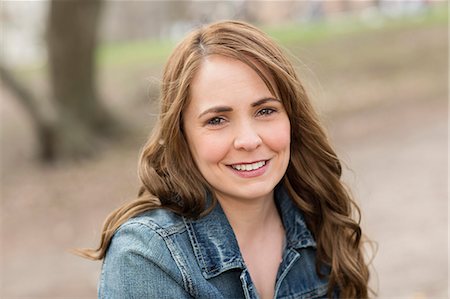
[254, 192]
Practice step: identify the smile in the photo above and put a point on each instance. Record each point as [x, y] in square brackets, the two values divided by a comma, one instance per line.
[249, 167]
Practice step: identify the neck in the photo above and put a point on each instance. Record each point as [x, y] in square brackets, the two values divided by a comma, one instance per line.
[250, 218]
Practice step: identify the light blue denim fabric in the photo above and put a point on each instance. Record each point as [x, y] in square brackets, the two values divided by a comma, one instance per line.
[159, 254]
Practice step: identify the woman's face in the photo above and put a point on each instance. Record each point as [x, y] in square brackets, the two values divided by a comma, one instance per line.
[237, 131]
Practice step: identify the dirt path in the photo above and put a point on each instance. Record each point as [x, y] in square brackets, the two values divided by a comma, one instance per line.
[399, 160]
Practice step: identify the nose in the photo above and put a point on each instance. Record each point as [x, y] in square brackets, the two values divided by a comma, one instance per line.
[247, 138]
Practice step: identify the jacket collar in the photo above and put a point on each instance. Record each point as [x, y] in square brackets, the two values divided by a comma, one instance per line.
[297, 233]
[215, 245]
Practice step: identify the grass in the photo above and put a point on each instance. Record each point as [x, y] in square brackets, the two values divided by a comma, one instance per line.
[134, 52]
[155, 52]
[292, 33]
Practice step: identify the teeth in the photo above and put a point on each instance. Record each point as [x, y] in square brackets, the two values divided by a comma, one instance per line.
[248, 167]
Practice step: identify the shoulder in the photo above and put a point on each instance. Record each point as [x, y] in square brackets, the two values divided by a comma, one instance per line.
[147, 230]
[141, 251]
[146, 235]
[160, 221]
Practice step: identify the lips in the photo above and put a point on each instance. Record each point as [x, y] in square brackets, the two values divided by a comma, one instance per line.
[248, 166]
[250, 170]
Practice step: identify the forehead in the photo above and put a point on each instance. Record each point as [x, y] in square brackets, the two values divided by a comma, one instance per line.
[221, 80]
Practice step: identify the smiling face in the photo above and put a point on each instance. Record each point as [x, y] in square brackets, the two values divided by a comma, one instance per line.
[237, 131]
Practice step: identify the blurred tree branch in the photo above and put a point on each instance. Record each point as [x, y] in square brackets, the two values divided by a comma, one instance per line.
[43, 125]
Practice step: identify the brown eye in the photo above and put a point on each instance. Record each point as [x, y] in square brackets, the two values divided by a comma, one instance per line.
[266, 111]
[215, 121]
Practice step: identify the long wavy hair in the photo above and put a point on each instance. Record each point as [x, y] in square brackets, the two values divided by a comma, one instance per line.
[171, 180]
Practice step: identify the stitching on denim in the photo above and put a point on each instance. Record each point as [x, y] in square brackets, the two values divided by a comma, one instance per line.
[187, 281]
[244, 284]
[165, 234]
[295, 257]
[194, 243]
[319, 291]
[101, 285]
[162, 231]
[310, 294]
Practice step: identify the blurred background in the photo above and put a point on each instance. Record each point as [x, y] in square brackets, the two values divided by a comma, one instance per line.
[79, 96]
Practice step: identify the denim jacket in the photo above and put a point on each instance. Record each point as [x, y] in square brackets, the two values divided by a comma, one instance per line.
[159, 254]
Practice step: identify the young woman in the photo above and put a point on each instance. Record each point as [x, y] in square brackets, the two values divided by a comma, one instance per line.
[241, 194]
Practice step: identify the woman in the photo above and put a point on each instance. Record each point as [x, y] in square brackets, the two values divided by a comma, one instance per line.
[241, 194]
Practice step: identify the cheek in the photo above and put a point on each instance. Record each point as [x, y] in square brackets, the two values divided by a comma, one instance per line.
[208, 149]
[278, 136]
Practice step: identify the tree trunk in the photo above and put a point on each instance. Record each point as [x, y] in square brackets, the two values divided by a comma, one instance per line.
[71, 43]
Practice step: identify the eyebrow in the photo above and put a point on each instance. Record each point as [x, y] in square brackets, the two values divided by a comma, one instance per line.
[264, 100]
[217, 109]
[221, 109]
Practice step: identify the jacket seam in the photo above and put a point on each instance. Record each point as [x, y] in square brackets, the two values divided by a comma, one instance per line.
[194, 244]
[174, 252]
[162, 231]
[180, 262]
[187, 281]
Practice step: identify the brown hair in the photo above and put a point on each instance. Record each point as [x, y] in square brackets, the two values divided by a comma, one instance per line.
[171, 180]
